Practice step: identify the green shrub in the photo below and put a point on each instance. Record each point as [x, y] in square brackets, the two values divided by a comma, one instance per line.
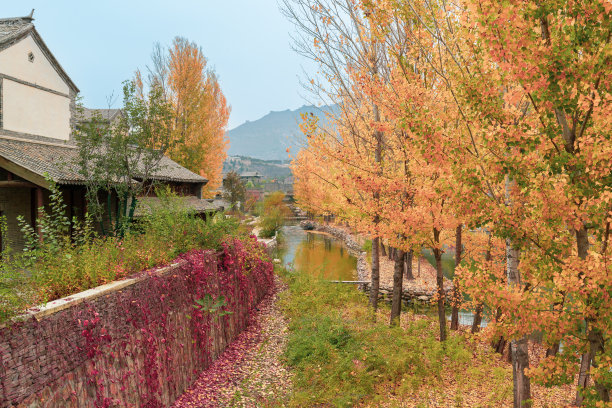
[62, 265]
[273, 214]
[341, 358]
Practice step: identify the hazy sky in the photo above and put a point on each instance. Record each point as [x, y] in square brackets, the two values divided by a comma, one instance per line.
[101, 43]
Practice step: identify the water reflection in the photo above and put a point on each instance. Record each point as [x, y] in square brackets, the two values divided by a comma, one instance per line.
[466, 318]
[316, 254]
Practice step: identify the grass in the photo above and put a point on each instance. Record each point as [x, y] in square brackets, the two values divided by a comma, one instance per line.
[342, 359]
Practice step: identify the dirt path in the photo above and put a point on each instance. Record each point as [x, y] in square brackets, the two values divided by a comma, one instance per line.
[249, 373]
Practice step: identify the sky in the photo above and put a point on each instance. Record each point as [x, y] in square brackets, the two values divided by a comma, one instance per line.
[101, 43]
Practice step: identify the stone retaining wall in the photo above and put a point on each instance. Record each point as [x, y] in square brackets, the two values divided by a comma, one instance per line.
[134, 343]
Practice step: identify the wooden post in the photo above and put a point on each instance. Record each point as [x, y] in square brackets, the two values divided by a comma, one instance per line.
[39, 205]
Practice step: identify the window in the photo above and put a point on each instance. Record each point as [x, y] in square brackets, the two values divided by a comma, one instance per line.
[30, 57]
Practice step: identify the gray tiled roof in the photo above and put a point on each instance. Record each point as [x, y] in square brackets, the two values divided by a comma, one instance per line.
[105, 114]
[11, 28]
[250, 174]
[145, 205]
[59, 161]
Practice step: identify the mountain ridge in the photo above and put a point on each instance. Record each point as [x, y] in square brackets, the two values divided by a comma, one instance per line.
[269, 137]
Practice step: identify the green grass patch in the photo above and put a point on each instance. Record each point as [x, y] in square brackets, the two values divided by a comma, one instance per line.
[340, 357]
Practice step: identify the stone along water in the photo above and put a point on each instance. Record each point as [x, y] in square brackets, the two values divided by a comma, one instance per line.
[321, 255]
[316, 254]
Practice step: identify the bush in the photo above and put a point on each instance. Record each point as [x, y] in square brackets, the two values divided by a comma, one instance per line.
[62, 266]
[273, 214]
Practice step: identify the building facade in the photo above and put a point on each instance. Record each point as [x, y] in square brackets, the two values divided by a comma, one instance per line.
[37, 117]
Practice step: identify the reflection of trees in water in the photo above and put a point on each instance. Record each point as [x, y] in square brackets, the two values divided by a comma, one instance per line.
[328, 244]
[321, 255]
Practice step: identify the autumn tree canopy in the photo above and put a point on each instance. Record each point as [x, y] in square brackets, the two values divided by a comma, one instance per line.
[200, 109]
[492, 115]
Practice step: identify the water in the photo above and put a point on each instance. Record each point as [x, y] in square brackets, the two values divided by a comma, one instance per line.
[467, 318]
[316, 254]
[321, 255]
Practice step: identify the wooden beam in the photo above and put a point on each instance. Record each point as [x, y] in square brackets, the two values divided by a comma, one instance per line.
[15, 183]
[23, 173]
[39, 205]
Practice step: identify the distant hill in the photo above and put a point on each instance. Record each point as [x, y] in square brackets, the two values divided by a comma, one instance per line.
[269, 137]
[269, 169]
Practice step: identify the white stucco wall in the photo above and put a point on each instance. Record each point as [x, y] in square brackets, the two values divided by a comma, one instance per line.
[14, 62]
[34, 111]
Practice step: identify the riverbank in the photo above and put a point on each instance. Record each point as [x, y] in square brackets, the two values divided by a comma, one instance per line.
[422, 288]
[341, 358]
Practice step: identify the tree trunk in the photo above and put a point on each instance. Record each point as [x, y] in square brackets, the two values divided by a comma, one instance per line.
[500, 345]
[398, 278]
[408, 265]
[594, 336]
[553, 350]
[596, 346]
[582, 244]
[478, 312]
[456, 291]
[440, 285]
[375, 279]
[477, 319]
[520, 362]
[383, 252]
[375, 286]
[518, 348]
[501, 342]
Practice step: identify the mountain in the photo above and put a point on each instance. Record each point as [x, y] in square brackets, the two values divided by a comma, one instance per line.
[269, 169]
[269, 137]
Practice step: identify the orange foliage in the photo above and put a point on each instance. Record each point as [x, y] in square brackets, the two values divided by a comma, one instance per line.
[200, 109]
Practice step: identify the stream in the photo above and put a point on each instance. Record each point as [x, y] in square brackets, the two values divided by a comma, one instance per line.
[316, 254]
[321, 255]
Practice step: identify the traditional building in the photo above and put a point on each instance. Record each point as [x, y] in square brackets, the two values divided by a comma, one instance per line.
[37, 117]
[252, 176]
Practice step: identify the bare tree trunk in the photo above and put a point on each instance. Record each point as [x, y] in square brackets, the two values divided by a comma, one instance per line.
[375, 278]
[518, 348]
[375, 286]
[383, 252]
[398, 278]
[440, 285]
[456, 291]
[408, 265]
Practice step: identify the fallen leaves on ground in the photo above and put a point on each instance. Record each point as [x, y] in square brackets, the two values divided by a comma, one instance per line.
[250, 372]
